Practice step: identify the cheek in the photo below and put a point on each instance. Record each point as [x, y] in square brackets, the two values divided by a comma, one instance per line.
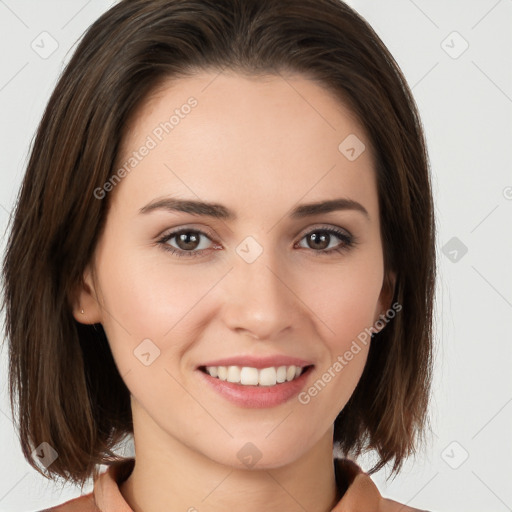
[345, 298]
[150, 298]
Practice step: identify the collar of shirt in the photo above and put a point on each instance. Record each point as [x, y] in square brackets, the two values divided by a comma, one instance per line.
[359, 493]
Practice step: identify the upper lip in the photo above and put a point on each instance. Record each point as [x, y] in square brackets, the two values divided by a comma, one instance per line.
[258, 362]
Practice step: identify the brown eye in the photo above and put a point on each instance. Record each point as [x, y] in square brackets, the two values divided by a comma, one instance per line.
[320, 239]
[187, 242]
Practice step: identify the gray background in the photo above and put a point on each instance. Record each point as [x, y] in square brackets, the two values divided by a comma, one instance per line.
[465, 99]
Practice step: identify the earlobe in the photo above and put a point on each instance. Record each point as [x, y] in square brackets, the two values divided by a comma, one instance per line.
[85, 306]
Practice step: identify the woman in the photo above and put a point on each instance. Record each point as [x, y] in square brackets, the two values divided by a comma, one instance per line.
[224, 245]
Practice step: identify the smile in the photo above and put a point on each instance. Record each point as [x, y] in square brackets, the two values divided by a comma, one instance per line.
[250, 387]
[249, 376]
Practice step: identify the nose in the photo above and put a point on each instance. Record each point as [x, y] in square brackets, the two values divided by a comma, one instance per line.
[260, 299]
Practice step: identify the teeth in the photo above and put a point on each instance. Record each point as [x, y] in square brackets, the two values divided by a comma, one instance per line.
[233, 374]
[281, 374]
[248, 376]
[267, 377]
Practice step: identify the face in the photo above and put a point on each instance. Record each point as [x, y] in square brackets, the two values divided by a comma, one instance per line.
[260, 284]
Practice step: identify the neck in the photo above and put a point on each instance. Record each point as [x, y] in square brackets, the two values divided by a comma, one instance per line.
[168, 475]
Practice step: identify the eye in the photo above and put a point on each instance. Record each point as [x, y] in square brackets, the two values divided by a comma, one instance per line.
[188, 242]
[320, 240]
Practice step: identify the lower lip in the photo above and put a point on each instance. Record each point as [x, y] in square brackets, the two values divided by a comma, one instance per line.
[257, 397]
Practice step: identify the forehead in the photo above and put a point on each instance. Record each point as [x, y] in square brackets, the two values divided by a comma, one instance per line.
[250, 142]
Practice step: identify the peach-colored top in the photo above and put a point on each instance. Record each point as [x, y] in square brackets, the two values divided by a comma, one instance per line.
[359, 493]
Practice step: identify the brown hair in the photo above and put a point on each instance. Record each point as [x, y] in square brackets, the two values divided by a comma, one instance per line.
[62, 373]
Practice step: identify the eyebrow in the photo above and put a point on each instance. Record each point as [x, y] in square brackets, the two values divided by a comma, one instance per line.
[219, 211]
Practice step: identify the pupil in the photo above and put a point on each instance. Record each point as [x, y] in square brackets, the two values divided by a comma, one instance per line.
[321, 239]
[188, 240]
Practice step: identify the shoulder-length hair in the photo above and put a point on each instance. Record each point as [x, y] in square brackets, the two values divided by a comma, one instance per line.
[62, 376]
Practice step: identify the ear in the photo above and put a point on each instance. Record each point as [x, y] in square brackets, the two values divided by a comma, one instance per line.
[386, 297]
[85, 299]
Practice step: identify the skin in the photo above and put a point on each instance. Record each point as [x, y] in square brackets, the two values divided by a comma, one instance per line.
[259, 147]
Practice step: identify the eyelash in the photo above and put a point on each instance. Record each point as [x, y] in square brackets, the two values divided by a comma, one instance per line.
[348, 242]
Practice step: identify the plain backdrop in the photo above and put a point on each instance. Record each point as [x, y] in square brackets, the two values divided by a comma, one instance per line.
[456, 56]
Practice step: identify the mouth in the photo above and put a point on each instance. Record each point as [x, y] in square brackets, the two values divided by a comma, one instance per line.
[256, 377]
[255, 388]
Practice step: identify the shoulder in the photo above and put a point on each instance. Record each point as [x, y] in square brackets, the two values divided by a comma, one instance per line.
[81, 504]
[359, 492]
[105, 495]
[388, 505]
